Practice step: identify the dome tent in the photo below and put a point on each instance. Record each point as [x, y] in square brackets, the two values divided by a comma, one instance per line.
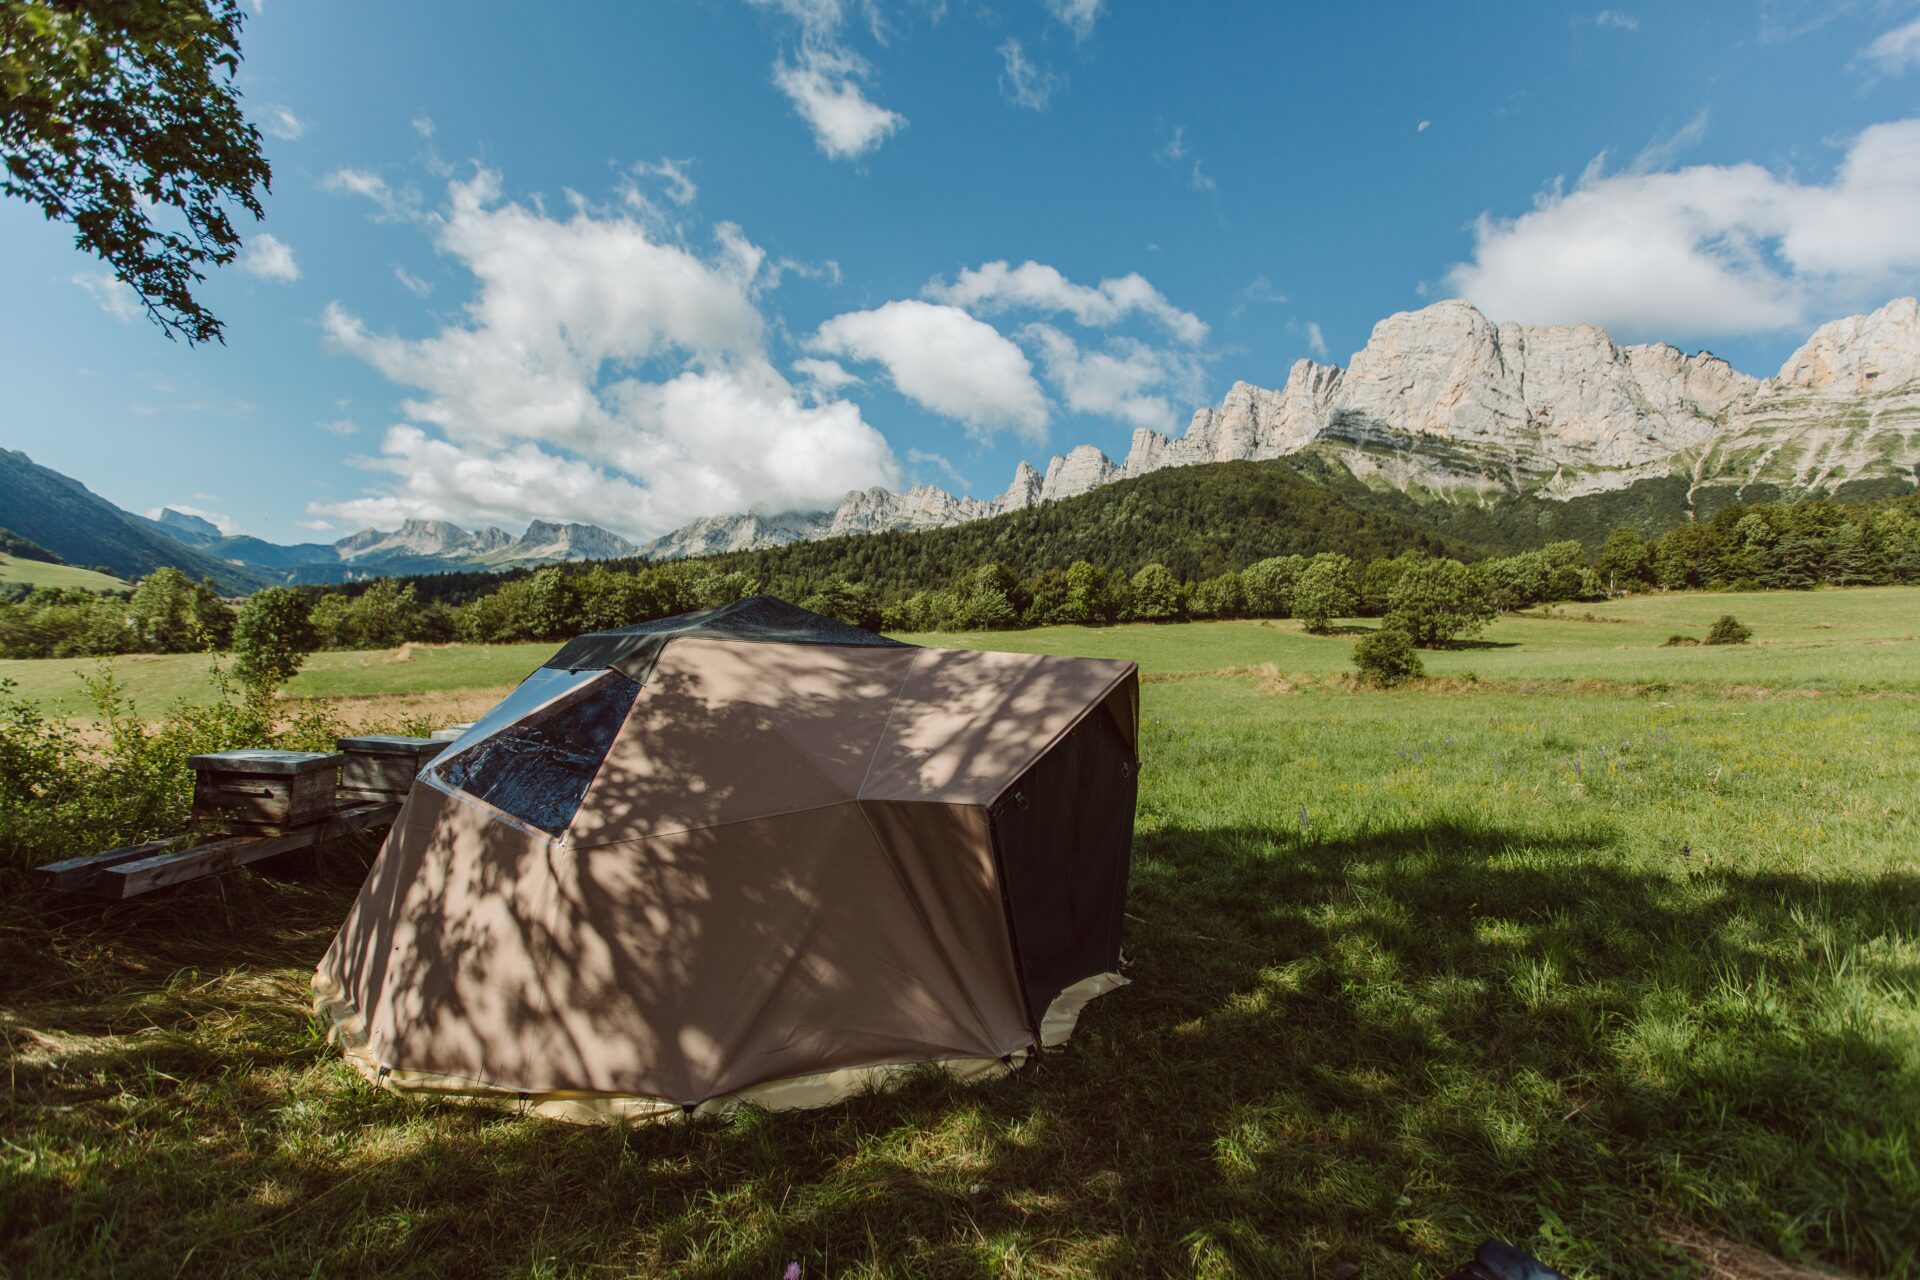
[746, 854]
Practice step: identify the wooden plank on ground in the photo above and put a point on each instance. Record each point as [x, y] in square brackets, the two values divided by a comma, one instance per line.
[143, 875]
[73, 873]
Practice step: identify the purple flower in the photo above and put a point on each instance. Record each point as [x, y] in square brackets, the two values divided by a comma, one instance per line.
[792, 1272]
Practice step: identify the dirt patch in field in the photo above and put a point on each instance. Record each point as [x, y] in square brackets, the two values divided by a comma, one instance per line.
[1724, 1260]
[388, 712]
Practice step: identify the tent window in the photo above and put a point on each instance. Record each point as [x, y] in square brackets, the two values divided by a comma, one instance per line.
[543, 686]
[539, 768]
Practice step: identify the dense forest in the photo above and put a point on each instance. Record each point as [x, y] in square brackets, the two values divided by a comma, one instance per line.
[1264, 543]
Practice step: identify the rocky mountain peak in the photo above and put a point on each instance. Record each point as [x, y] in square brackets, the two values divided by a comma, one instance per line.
[1859, 354]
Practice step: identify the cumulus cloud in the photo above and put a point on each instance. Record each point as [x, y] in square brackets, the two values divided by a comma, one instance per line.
[339, 426]
[829, 376]
[280, 122]
[999, 286]
[946, 361]
[601, 373]
[673, 174]
[1022, 83]
[1896, 51]
[1316, 340]
[1077, 15]
[412, 283]
[1140, 385]
[1175, 154]
[111, 294]
[394, 204]
[1669, 147]
[1709, 249]
[269, 258]
[940, 464]
[825, 79]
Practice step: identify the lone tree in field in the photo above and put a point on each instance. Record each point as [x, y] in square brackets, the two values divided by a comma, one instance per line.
[1156, 594]
[1324, 591]
[1438, 601]
[272, 636]
[114, 110]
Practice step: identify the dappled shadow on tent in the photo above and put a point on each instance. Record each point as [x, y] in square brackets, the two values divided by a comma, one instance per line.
[769, 876]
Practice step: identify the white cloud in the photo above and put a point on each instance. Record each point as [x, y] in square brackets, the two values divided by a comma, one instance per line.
[424, 126]
[829, 376]
[1667, 148]
[318, 526]
[340, 426]
[946, 361]
[1316, 340]
[679, 185]
[113, 296]
[825, 78]
[412, 283]
[1710, 249]
[921, 458]
[1423, 126]
[1022, 83]
[1077, 15]
[999, 286]
[599, 373]
[399, 205]
[269, 258]
[1174, 155]
[1258, 290]
[1131, 381]
[279, 122]
[824, 87]
[1617, 20]
[1896, 51]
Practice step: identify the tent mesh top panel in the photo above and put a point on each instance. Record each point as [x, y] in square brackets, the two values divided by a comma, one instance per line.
[756, 619]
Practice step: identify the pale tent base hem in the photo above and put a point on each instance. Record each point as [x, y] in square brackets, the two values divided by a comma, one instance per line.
[1064, 1013]
[348, 1029]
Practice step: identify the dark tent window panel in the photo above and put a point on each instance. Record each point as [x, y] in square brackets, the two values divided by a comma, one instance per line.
[539, 769]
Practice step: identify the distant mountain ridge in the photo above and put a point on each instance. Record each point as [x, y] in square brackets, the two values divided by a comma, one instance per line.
[60, 514]
[1443, 403]
[1441, 406]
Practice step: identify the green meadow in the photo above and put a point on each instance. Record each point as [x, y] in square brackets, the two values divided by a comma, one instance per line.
[1607, 948]
[38, 573]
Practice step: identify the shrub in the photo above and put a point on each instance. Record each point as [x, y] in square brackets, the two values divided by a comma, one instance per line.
[61, 796]
[1676, 641]
[1386, 658]
[1727, 629]
[272, 636]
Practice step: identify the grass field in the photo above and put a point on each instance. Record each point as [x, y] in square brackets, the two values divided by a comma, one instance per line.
[1614, 952]
[38, 573]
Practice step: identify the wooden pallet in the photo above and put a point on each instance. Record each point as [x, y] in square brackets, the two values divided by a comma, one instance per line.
[142, 868]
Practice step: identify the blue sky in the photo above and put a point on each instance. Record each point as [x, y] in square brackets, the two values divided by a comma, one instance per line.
[634, 264]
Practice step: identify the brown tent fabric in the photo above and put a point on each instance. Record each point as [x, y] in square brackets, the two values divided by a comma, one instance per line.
[779, 868]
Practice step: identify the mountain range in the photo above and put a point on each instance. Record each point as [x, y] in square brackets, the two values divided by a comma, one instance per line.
[1442, 405]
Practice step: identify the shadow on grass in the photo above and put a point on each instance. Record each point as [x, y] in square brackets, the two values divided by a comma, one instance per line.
[1368, 1051]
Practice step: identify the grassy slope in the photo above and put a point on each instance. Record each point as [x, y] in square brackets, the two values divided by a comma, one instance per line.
[1585, 968]
[41, 574]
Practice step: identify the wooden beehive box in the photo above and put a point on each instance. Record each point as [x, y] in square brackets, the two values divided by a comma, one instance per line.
[264, 792]
[382, 766]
